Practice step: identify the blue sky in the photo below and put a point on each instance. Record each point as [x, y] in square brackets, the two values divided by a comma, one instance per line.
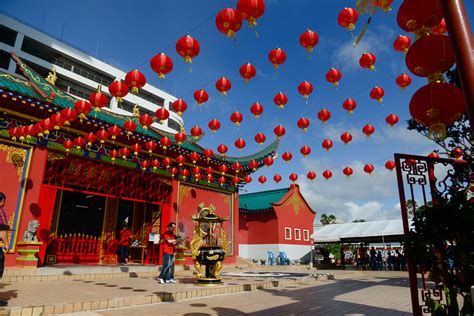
[128, 33]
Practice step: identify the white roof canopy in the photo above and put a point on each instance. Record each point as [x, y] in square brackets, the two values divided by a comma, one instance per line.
[358, 231]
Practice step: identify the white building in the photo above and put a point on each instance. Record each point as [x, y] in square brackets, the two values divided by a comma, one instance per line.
[78, 73]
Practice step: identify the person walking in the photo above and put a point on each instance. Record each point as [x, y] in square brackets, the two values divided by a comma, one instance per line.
[124, 244]
[4, 228]
[170, 240]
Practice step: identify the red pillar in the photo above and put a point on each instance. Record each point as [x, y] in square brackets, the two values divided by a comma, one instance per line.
[463, 45]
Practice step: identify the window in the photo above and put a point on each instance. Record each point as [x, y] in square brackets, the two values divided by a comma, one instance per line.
[174, 125]
[7, 35]
[305, 234]
[297, 234]
[4, 59]
[287, 233]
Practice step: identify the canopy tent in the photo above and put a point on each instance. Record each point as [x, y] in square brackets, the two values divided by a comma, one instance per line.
[373, 231]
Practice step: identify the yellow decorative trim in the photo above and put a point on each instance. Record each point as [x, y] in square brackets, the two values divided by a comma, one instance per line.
[52, 155]
[16, 156]
[294, 201]
[13, 78]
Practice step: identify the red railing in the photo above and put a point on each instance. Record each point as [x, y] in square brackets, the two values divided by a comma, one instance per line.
[75, 248]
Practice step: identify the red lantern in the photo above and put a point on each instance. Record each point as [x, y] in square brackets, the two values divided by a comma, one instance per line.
[251, 10]
[98, 100]
[293, 177]
[150, 146]
[377, 93]
[415, 15]
[214, 125]
[165, 142]
[286, 156]
[180, 160]
[277, 57]
[135, 80]
[402, 43]
[247, 179]
[440, 28]
[247, 72]
[260, 138]
[167, 162]
[390, 164]
[277, 178]
[347, 171]
[188, 48]
[90, 139]
[253, 164]
[174, 171]
[82, 108]
[161, 64]
[208, 153]
[180, 137]
[391, 119]
[303, 123]
[124, 153]
[68, 115]
[113, 154]
[196, 131]
[14, 133]
[433, 154]
[457, 153]
[144, 165]
[324, 115]
[333, 76]
[221, 180]
[209, 170]
[268, 161]
[237, 167]
[347, 18]
[384, 4]
[223, 85]
[256, 109]
[146, 121]
[262, 179]
[305, 88]
[228, 21]
[305, 150]
[79, 142]
[236, 118]
[235, 180]
[179, 106]
[201, 96]
[346, 137]
[367, 60]
[349, 105]
[154, 164]
[136, 148]
[368, 130]
[280, 99]
[114, 131]
[194, 156]
[129, 126]
[430, 55]
[46, 126]
[240, 144]
[369, 168]
[436, 106]
[68, 144]
[279, 131]
[327, 174]
[162, 114]
[57, 121]
[184, 173]
[327, 144]
[222, 149]
[311, 175]
[223, 169]
[309, 39]
[102, 135]
[403, 81]
[119, 90]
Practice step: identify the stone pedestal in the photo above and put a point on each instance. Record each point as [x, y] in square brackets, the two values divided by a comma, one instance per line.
[27, 254]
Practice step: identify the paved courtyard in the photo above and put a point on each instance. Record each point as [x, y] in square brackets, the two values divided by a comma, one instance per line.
[370, 293]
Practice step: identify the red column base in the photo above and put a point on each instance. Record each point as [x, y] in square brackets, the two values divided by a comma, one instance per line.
[27, 254]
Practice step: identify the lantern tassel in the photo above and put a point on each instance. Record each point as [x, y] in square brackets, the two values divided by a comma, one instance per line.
[361, 34]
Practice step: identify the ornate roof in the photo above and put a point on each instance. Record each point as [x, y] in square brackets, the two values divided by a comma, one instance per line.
[40, 90]
[261, 201]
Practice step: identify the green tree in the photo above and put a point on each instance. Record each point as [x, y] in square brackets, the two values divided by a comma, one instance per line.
[328, 219]
[359, 220]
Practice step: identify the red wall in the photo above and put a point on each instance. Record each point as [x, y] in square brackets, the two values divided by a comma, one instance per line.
[258, 227]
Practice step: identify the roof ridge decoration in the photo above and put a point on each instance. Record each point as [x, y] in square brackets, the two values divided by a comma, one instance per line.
[59, 98]
[291, 198]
